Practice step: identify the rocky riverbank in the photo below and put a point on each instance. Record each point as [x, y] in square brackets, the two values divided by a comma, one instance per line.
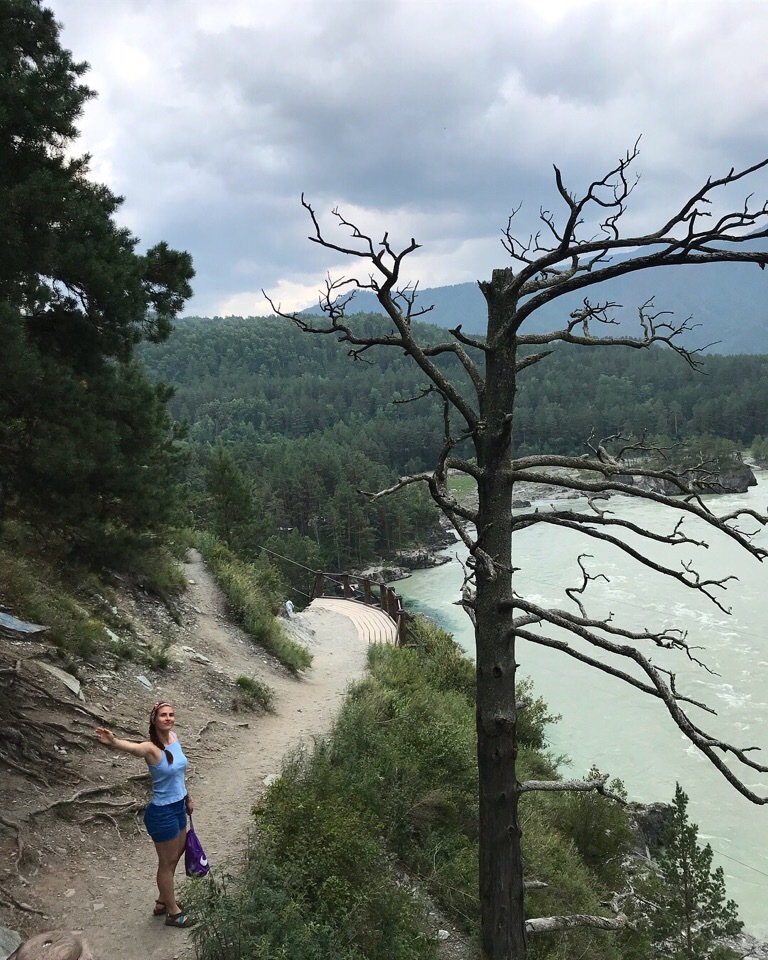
[735, 478]
[403, 563]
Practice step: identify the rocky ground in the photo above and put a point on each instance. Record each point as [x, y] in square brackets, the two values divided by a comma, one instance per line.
[73, 851]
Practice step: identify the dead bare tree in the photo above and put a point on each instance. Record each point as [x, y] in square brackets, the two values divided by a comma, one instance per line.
[579, 250]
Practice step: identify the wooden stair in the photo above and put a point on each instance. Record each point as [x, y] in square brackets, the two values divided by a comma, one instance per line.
[373, 625]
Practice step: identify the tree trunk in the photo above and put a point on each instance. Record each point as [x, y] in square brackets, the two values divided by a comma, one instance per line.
[501, 873]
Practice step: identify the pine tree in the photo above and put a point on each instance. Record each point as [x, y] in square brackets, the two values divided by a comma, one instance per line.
[85, 441]
[230, 505]
[694, 911]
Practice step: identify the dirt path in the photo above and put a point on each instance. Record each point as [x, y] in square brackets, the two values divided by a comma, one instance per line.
[102, 883]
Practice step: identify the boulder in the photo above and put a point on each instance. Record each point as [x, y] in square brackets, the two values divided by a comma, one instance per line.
[9, 940]
[54, 945]
[421, 558]
[649, 821]
[735, 478]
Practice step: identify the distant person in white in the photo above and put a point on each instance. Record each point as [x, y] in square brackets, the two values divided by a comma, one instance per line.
[289, 608]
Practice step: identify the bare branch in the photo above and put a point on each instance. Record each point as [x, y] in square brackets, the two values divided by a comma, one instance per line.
[687, 576]
[529, 360]
[424, 392]
[467, 341]
[691, 504]
[573, 786]
[655, 330]
[586, 578]
[555, 924]
[398, 305]
[658, 687]
[571, 264]
[665, 639]
[429, 478]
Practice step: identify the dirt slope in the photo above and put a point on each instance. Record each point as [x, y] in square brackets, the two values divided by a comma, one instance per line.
[94, 871]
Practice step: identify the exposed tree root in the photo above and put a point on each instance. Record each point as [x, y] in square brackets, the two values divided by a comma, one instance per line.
[24, 771]
[12, 825]
[13, 902]
[86, 792]
[205, 726]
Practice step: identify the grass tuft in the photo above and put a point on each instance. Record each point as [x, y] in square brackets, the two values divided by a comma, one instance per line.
[252, 693]
[30, 589]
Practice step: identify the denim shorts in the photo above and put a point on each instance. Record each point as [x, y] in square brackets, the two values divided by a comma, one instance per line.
[166, 822]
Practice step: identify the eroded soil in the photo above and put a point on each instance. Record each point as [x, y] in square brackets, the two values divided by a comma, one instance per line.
[88, 865]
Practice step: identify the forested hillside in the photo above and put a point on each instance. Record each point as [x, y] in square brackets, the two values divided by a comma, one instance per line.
[255, 381]
[284, 430]
[283, 434]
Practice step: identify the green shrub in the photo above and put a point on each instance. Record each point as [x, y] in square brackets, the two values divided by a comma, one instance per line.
[125, 649]
[572, 888]
[397, 783]
[598, 827]
[450, 668]
[533, 717]
[259, 916]
[158, 658]
[30, 589]
[159, 570]
[317, 884]
[252, 693]
[407, 732]
[253, 591]
[334, 843]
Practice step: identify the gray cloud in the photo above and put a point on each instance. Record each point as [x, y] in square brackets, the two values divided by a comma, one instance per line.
[434, 117]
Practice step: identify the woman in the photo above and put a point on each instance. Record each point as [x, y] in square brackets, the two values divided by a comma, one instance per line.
[166, 816]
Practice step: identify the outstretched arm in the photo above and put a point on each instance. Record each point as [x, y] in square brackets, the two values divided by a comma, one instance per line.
[145, 750]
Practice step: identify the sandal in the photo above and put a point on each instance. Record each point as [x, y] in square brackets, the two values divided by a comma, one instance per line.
[179, 920]
[160, 910]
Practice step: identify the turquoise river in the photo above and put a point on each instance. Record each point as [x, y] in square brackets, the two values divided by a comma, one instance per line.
[625, 733]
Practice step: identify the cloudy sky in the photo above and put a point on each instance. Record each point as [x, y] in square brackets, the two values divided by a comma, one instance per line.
[428, 118]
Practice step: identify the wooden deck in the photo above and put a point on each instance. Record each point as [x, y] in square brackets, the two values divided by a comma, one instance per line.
[373, 625]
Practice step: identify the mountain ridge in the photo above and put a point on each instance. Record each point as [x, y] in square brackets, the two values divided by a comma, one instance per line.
[727, 304]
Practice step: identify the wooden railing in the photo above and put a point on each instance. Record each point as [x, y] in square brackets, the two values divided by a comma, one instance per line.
[372, 593]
